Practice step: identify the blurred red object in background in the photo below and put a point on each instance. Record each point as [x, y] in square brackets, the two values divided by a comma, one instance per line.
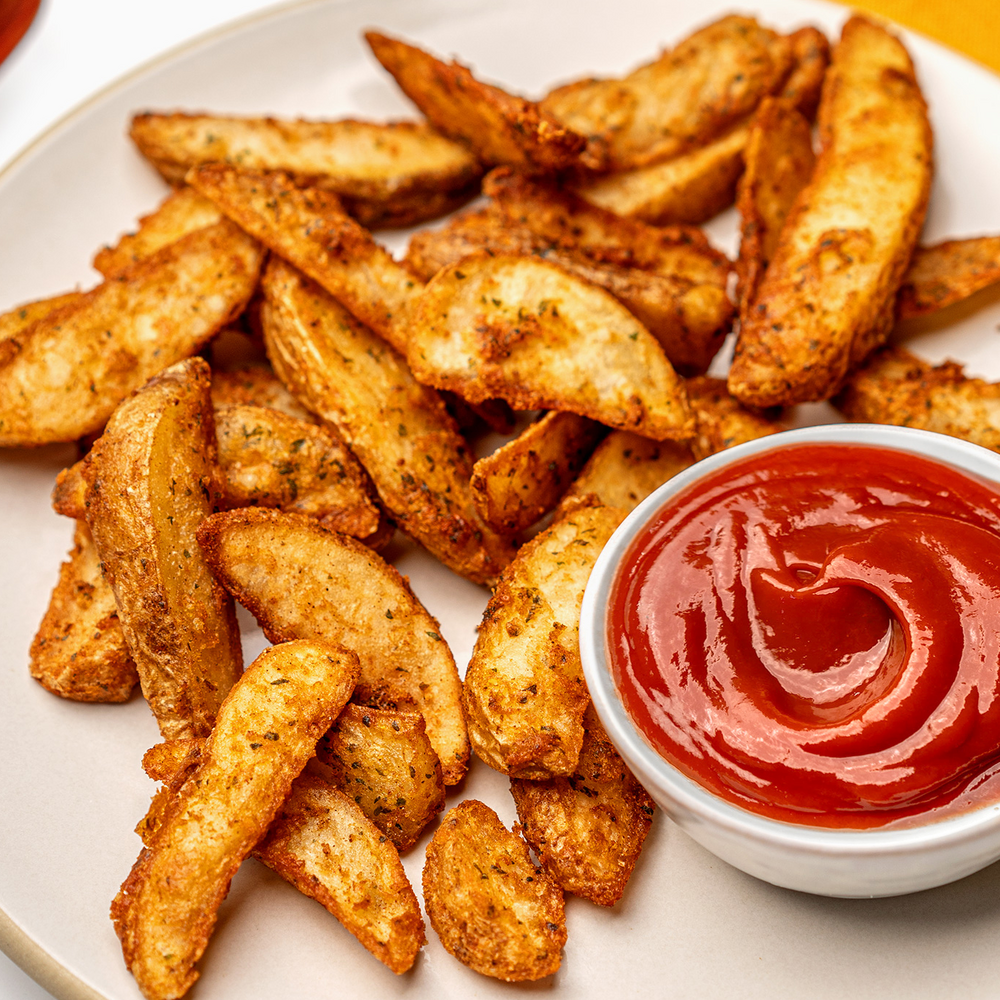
[15, 16]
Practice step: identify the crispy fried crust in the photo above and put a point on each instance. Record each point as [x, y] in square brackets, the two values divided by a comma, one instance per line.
[151, 481]
[896, 387]
[823, 302]
[492, 908]
[268, 459]
[302, 581]
[946, 273]
[255, 385]
[527, 331]
[181, 212]
[524, 690]
[811, 53]
[18, 320]
[524, 479]
[69, 495]
[266, 731]
[62, 377]
[723, 421]
[588, 828]
[382, 759]
[399, 430]
[680, 101]
[365, 160]
[498, 127]
[79, 651]
[324, 844]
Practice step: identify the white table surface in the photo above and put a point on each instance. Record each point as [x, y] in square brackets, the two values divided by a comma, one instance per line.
[72, 50]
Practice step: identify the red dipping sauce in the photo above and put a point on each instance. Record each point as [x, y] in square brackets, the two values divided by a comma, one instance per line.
[813, 633]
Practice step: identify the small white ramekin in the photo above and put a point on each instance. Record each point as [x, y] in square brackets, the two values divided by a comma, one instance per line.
[829, 862]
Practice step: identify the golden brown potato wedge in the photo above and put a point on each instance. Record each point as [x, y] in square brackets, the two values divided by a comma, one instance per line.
[265, 733]
[723, 421]
[624, 469]
[255, 385]
[492, 908]
[524, 479]
[310, 229]
[525, 330]
[268, 459]
[587, 829]
[824, 301]
[778, 161]
[364, 160]
[498, 127]
[324, 844]
[681, 100]
[79, 651]
[151, 481]
[62, 377]
[524, 690]
[302, 581]
[946, 273]
[896, 387]
[399, 430]
[382, 759]
[181, 212]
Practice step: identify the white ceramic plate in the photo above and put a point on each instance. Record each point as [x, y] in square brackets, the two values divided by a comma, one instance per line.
[71, 789]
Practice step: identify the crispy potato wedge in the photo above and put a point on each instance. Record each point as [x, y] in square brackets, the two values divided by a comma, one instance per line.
[587, 829]
[524, 690]
[382, 759]
[498, 127]
[181, 212]
[524, 479]
[265, 733]
[255, 385]
[681, 100]
[324, 844]
[364, 160]
[896, 387]
[18, 320]
[79, 651]
[492, 908]
[399, 430]
[624, 469]
[310, 229]
[823, 303]
[779, 161]
[302, 581]
[151, 481]
[268, 459]
[62, 377]
[946, 273]
[527, 331]
[723, 421]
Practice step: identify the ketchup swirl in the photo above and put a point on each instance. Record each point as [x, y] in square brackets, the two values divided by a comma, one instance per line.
[813, 633]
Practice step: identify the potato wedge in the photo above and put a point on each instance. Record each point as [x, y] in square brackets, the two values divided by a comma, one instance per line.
[324, 844]
[62, 377]
[399, 430]
[524, 479]
[946, 273]
[364, 160]
[624, 469]
[382, 759]
[587, 829]
[681, 100]
[181, 212]
[778, 161]
[492, 908]
[265, 733]
[302, 581]
[151, 481]
[527, 331]
[498, 127]
[823, 302]
[896, 387]
[255, 385]
[723, 421]
[268, 459]
[524, 690]
[79, 651]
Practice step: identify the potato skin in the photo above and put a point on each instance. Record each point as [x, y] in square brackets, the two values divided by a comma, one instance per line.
[491, 907]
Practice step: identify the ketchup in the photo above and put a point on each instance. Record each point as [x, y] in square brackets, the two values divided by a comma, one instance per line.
[813, 633]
